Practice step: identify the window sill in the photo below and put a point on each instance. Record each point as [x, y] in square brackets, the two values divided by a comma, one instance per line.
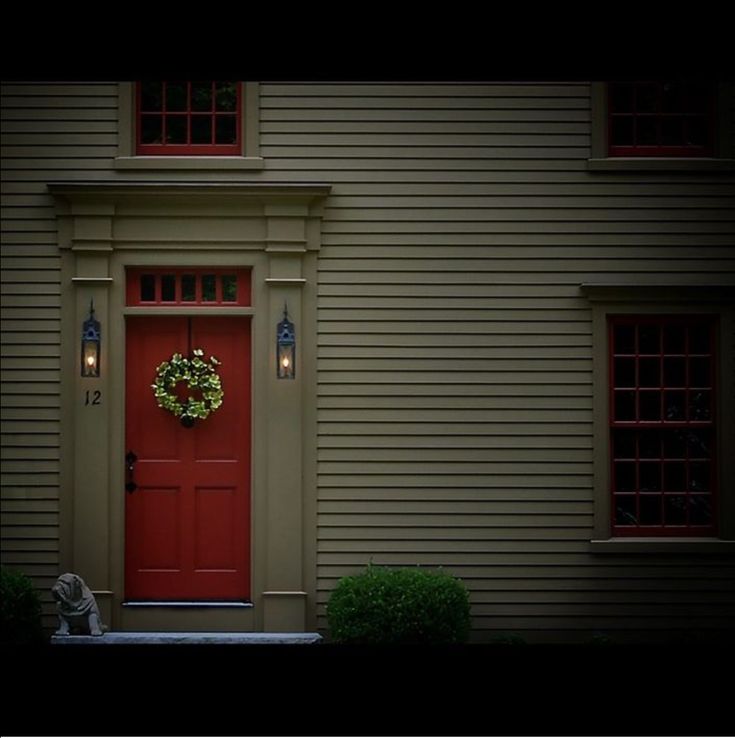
[183, 163]
[662, 545]
[644, 164]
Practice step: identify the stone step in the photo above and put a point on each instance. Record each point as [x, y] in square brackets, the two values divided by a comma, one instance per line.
[137, 638]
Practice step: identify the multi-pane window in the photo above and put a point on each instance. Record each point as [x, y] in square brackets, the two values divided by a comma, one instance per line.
[660, 119]
[188, 118]
[188, 287]
[662, 425]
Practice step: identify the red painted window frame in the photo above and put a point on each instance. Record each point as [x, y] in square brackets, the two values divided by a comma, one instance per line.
[705, 320]
[167, 149]
[133, 287]
[642, 151]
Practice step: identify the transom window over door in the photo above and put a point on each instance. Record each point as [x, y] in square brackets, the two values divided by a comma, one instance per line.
[186, 286]
[663, 425]
[197, 118]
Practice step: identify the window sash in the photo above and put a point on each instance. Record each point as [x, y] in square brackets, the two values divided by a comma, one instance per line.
[189, 117]
[665, 465]
[657, 119]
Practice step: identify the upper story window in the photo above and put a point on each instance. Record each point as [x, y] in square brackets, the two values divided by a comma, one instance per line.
[663, 471]
[188, 118]
[661, 119]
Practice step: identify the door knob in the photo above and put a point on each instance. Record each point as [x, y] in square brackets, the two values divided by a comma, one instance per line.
[130, 459]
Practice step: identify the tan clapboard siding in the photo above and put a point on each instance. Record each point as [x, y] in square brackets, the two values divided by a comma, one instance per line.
[50, 131]
[455, 350]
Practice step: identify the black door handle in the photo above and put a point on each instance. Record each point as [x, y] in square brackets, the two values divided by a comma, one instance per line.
[130, 459]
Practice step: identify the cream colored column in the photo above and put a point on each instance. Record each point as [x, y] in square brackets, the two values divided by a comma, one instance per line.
[91, 514]
[284, 598]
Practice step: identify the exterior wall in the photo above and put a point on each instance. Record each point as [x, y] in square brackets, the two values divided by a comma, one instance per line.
[455, 354]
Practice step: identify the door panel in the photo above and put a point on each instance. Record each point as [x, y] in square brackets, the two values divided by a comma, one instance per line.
[188, 522]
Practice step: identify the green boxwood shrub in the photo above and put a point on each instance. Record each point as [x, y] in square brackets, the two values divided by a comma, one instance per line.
[387, 606]
[20, 610]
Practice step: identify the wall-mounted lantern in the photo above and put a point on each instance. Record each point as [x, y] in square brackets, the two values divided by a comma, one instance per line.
[91, 345]
[285, 348]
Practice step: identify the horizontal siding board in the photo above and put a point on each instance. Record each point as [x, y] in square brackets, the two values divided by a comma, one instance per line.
[300, 163]
[415, 136]
[445, 525]
[37, 518]
[451, 92]
[472, 375]
[274, 148]
[43, 143]
[597, 202]
[26, 533]
[35, 492]
[432, 456]
[528, 239]
[427, 538]
[31, 507]
[60, 113]
[515, 107]
[32, 545]
[438, 416]
[431, 498]
[542, 479]
[51, 88]
[397, 502]
[431, 336]
[33, 465]
[477, 316]
[383, 123]
[441, 402]
[575, 213]
[414, 228]
[32, 104]
[31, 561]
[499, 355]
[81, 125]
[376, 118]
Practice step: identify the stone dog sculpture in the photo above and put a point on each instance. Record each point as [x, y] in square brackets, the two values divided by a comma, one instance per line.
[76, 607]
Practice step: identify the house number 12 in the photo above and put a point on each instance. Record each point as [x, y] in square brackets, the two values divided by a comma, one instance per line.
[95, 398]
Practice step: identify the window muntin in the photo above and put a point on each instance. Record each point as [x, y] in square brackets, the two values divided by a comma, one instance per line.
[188, 287]
[669, 119]
[197, 118]
[663, 478]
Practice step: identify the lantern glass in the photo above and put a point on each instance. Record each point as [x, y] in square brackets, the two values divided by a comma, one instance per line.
[90, 359]
[285, 348]
[286, 362]
[90, 345]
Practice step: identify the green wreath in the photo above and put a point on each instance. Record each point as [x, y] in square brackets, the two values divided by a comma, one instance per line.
[199, 375]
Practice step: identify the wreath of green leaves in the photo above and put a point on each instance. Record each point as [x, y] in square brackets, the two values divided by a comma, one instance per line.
[198, 374]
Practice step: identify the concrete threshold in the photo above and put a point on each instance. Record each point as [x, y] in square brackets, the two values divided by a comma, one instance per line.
[135, 638]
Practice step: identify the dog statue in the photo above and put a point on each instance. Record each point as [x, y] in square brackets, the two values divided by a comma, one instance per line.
[76, 606]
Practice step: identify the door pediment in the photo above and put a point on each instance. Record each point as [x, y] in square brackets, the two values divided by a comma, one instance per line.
[105, 216]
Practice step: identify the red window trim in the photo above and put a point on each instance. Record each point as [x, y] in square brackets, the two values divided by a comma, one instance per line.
[686, 530]
[667, 151]
[133, 289]
[166, 149]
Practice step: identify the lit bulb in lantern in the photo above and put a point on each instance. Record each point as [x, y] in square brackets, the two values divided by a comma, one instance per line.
[285, 362]
[90, 361]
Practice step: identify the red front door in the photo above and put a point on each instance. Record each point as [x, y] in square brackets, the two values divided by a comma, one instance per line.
[187, 523]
